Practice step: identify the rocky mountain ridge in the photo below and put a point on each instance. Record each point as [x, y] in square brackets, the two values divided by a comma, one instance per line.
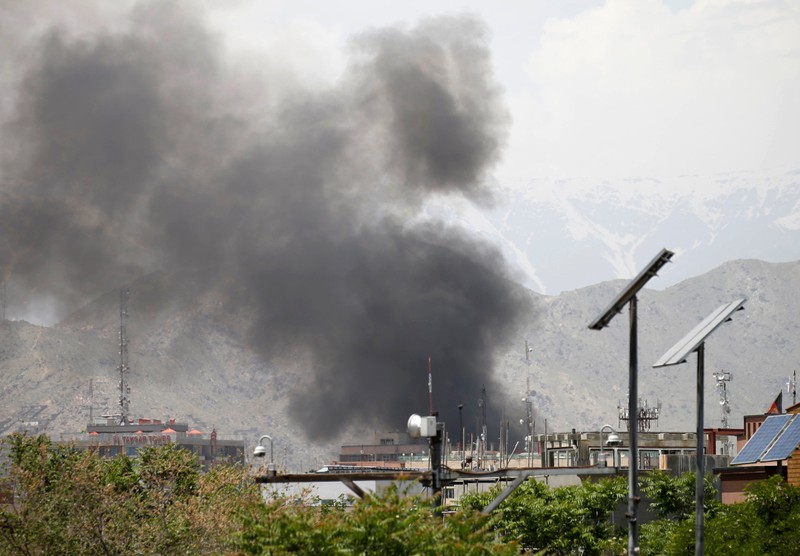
[563, 234]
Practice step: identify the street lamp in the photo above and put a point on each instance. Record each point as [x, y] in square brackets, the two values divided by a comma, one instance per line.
[260, 451]
[613, 440]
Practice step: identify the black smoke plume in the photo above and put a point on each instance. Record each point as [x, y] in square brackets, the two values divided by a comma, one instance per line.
[140, 149]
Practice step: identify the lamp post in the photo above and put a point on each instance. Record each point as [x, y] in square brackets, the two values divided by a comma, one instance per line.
[613, 440]
[260, 451]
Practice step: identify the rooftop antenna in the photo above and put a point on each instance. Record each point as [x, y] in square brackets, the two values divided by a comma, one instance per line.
[124, 388]
[791, 386]
[529, 422]
[645, 415]
[4, 301]
[723, 377]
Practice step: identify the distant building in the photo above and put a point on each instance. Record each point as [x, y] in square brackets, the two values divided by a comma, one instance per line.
[110, 439]
[590, 448]
[572, 449]
[393, 449]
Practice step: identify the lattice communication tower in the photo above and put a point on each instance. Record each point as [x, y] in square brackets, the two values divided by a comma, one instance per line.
[645, 418]
[723, 378]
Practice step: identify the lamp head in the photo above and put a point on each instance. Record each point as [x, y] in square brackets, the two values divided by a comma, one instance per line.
[260, 451]
[613, 440]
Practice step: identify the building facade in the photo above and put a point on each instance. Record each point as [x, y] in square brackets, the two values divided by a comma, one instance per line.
[110, 439]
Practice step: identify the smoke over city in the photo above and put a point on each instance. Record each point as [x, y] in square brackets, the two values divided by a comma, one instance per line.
[142, 146]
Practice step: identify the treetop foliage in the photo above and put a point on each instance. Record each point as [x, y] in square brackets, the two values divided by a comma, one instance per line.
[57, 500]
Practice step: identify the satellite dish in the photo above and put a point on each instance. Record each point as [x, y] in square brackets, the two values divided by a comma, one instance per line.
[414, 426]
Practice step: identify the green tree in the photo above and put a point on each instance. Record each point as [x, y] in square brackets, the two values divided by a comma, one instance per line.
[392, 524]
[565, 520]
[72, 502]
[674, 497]
[766, 523]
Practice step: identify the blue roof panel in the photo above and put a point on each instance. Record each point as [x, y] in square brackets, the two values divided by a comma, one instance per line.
[751, 452]
[786, 443]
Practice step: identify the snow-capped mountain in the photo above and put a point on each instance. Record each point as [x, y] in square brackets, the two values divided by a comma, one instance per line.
[560, 235]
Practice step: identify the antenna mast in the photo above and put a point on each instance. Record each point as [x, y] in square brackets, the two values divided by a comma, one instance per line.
[529, 423]
[124, 388]
[430, 387]
[723, 377]
[791, 386]
[484, 431]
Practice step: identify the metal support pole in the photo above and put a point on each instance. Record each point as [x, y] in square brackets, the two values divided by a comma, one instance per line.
[633, 424]
[436, 464]
[700, 463]
[505, 494]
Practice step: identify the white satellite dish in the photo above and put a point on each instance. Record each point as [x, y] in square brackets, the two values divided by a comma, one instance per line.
[414, 426]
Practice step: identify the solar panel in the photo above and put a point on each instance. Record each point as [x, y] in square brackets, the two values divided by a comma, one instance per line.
[762, 438]
[786, 444]
[689, 343]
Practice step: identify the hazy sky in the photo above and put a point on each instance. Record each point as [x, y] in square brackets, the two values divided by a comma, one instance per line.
[286, 147]
[600, 89]
[595, 88]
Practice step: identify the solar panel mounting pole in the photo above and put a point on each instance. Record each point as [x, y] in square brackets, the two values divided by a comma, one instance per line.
[700, 460]
[628, 297]
[633, 424]
[694, 341]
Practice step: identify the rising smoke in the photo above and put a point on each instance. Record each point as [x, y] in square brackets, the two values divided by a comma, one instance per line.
[139, 148]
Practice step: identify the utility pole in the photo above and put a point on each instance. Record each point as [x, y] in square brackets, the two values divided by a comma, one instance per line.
[484, 432]
[124, 387]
